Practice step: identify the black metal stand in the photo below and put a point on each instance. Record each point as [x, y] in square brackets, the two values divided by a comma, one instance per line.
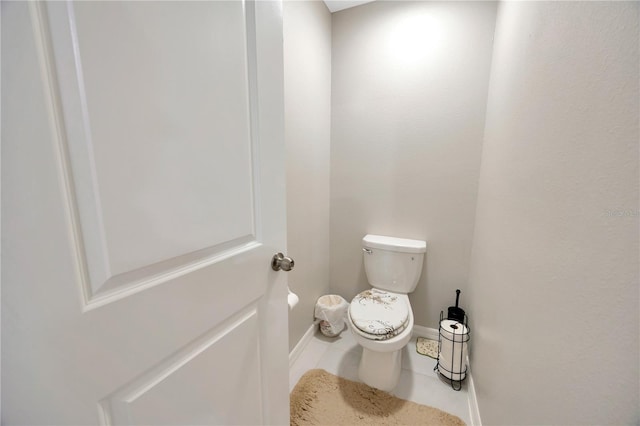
[459, 339]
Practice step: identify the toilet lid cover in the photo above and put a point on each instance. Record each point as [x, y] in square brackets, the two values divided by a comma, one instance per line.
[379, 313]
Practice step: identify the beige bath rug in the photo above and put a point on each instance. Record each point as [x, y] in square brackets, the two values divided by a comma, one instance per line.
[427, 347]
[321, 398]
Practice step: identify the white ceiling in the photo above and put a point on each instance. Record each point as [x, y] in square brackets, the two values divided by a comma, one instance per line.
[336, 5]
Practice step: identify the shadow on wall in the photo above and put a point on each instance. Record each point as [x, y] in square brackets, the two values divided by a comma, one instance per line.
[347, 280]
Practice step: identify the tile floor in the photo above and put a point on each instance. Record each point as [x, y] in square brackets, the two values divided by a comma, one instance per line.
[418, 381]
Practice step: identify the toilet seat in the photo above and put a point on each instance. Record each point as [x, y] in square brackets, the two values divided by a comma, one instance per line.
[378, 314]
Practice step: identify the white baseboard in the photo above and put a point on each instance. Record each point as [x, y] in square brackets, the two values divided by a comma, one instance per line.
[474, 411]
[429, 333]
[302, 343]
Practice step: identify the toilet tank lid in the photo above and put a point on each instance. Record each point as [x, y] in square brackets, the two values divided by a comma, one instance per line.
[403, 245]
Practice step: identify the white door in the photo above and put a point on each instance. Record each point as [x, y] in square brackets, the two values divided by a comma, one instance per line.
[142, 201]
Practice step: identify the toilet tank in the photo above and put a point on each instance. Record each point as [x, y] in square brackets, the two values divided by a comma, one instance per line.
[393, 264]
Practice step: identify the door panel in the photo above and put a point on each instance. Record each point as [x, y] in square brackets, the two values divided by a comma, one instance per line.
[179, 149]
[166, 395]
[142, 200]
[162, 161]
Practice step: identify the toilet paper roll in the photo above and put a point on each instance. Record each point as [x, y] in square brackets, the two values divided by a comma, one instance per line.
[454, 331]
[453, 359]
[446, 372]
[453, 349]
[292, 299]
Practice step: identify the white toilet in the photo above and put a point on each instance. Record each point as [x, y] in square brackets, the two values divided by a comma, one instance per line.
[381, 318]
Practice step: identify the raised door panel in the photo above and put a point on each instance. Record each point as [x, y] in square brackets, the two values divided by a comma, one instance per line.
[156, 106]
[177, 393]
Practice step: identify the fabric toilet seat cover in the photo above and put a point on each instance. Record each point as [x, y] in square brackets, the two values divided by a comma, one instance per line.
[379, 314]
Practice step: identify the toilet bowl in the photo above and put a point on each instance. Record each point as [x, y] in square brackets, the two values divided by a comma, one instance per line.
[381, 318]
[380, 365]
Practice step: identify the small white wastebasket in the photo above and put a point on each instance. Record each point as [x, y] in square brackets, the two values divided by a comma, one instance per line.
[331, 310]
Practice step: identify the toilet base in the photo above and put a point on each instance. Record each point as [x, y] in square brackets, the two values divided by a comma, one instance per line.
[380, 370]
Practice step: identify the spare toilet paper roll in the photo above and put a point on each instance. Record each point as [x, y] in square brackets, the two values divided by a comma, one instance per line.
[451, 363]
[447, 372]
[453, 349]
[454, 331]
[292, 299]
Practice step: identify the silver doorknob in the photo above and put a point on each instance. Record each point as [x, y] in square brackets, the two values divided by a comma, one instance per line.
[280, 261]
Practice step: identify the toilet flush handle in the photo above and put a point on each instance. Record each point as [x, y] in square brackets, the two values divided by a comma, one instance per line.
[368, 251]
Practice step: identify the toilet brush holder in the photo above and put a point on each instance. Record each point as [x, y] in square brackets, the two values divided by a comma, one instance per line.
[454, 312]
[453, 337]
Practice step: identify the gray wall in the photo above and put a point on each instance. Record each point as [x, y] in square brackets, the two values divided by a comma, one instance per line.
[554, 272]
[409, 90]
[307, 74]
